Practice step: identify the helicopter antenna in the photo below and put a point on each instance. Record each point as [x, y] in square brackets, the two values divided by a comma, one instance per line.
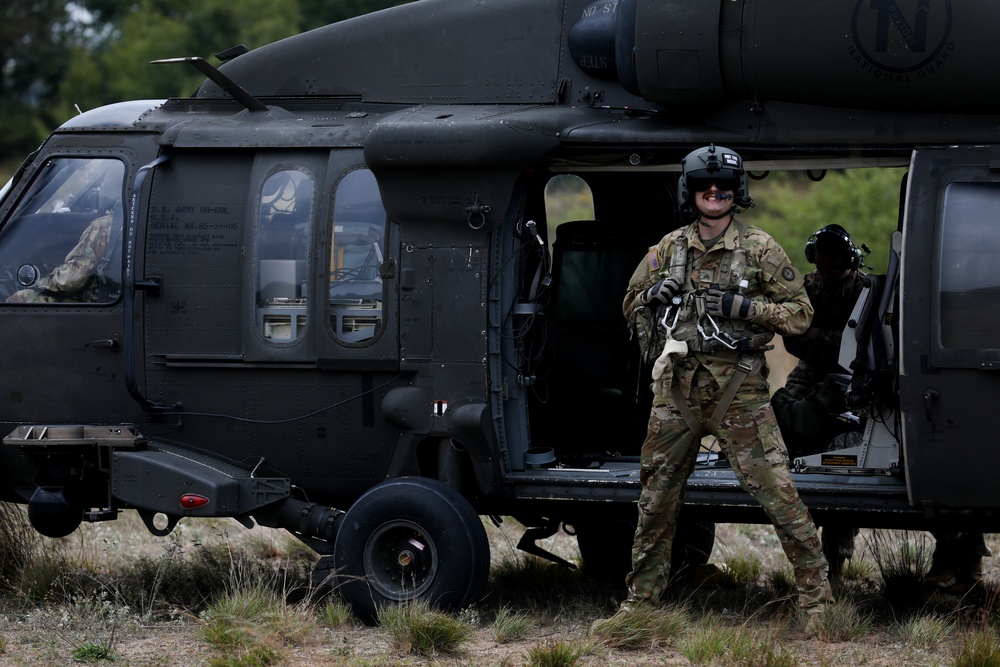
[238, 92]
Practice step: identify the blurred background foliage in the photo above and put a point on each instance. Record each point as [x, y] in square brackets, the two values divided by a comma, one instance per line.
[58, 57]
[788, 205]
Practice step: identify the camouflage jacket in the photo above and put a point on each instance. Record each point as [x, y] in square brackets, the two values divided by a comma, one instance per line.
[76, 278]
[818, 349]
[775, 285]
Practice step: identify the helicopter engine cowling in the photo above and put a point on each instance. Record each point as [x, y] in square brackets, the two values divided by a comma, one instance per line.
[883, 55]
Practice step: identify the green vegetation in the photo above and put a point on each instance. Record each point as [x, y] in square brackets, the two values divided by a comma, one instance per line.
[510, 625]
[644, 627]
[979, 647]
[416, 628]
[901, 559]
[251, 604]
[865, 202]
[62, 56]
[788, 205]
[556, 654]
[714, 643]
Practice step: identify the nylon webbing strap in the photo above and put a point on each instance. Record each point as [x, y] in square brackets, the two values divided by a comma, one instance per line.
[746, 365]
[682, 406]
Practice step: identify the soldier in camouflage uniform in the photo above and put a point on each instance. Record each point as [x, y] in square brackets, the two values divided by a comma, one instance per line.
[804, 405]
[695, 274]
[76, 279]
[833, 288]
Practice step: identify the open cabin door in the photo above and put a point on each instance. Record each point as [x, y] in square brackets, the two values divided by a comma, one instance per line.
[950, 334]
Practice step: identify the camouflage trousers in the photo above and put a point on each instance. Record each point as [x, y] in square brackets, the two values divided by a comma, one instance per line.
[749, 437]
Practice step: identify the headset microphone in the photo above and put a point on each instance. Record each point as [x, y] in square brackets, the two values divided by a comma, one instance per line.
[724, 195]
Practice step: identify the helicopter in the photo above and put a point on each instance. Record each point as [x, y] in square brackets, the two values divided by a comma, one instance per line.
[325, 295]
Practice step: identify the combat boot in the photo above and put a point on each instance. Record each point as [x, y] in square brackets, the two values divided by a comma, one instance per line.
[814, 626]
[813, 604]
[605, 625]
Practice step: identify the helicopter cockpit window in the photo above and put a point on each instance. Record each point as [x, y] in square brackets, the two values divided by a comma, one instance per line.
[62, 243]
[970, 282]
[357, 253]
[282, 247]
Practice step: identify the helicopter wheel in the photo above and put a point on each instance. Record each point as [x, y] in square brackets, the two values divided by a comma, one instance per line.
[410, 538]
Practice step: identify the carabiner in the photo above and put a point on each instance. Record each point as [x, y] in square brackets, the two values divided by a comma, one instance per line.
[675, 303]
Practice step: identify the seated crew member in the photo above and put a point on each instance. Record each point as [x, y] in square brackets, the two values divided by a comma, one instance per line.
[833, 288]
[78, 277]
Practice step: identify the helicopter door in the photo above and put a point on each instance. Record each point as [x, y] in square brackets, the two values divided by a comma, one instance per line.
[950, 340]
[60, 293]
[194, 251]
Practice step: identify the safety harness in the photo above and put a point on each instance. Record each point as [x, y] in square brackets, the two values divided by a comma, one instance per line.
[686, 319]
[746, 365]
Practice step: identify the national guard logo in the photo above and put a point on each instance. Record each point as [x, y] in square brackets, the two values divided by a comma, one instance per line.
[900, 40]
[788, 273]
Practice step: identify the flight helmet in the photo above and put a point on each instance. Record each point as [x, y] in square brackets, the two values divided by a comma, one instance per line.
[701, 167]
[834, 240]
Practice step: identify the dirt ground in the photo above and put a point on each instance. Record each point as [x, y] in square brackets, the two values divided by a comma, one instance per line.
[365, 646]
[177, 644]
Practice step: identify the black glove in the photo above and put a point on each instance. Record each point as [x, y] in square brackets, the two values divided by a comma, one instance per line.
[729, 304]
[663, 291]
[829, 394]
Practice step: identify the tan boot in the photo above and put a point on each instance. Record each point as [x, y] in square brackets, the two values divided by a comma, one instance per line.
[602, 625]
[814, 628]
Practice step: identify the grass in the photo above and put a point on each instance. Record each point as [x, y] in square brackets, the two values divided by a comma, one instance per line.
[979, 647]
[557, 653]
[713, 642]
[92, 652]
[644, 627]
[924, 632]
[251, 603]
[416, 628]
[510, 625]
[901, 559]
[845, 621]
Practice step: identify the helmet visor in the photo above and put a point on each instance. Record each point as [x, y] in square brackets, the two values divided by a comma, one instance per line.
[702, 180]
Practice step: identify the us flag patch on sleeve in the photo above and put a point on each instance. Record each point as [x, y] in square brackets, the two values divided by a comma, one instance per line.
[653, 261]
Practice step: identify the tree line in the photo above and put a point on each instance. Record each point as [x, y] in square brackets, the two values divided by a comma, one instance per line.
[58, 58]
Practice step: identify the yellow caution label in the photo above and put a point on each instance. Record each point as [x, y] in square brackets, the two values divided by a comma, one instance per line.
[839, 460]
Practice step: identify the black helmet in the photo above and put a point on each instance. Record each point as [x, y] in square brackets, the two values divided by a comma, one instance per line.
[834, 240]
[700, 168]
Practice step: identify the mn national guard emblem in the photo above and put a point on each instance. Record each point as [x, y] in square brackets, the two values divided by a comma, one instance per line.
[898, 40]
[788, 273]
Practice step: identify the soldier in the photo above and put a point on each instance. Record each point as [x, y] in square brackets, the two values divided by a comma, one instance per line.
[76, 279]
[725, 287]
[806, 406]
[833, 288]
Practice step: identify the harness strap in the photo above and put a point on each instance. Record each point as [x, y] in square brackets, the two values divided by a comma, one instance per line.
[746, 365]
[682, 406]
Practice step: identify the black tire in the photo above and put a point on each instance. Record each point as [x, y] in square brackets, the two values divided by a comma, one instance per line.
[606, 545]
[410, 538]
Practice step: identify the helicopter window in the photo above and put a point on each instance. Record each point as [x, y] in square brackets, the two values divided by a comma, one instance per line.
[970, 283]
[282, 245]
[62, 243]
[568, 197]
[357, 242]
